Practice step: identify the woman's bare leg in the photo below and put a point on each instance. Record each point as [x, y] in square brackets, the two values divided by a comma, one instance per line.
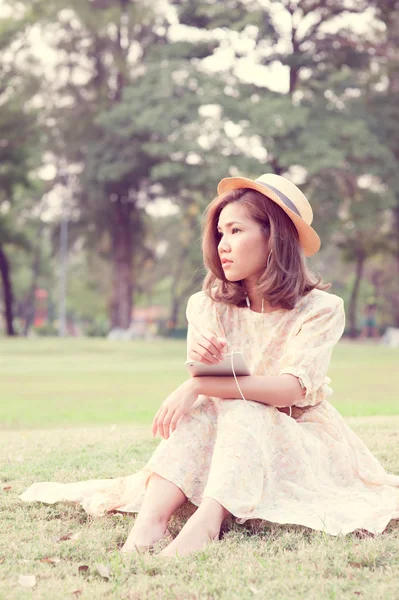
[201, 528]
[161, 500]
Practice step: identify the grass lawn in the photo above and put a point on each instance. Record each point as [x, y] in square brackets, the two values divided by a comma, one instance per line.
[72, 410]
[50, 382]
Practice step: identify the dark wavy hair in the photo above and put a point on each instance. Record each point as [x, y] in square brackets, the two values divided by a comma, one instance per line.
[287, 277]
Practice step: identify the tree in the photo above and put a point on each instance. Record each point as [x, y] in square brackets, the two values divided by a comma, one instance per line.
[317, 124]
[19, 135]
[361, 238]
[111, 55]
[383, 115]
[138, 116]
[298, 127]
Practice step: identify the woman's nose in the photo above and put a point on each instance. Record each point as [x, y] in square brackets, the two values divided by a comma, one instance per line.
[223, 246]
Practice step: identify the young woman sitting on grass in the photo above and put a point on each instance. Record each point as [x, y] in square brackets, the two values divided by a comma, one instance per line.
[273, 449]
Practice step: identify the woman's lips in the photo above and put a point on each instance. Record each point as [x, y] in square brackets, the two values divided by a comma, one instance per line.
[226, 264]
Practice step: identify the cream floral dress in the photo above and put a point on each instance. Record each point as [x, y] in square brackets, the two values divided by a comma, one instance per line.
[310, 468]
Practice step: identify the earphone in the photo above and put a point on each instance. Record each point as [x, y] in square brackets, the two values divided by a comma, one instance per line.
[261, 357]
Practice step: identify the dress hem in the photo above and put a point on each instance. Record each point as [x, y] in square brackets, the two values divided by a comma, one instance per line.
[241, 520]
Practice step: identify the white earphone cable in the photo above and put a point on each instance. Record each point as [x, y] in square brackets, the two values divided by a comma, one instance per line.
[235, 377]
[263, 363]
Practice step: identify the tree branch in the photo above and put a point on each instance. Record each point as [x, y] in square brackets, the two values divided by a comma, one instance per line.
[324, 18]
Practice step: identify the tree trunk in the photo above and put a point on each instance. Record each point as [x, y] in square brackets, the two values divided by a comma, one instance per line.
[122, 259]
[396, 255]
[294, 69]
[29, 305]
[122, 229]
[360, 258]
[390, 17]
[7, 291]
[175, 297]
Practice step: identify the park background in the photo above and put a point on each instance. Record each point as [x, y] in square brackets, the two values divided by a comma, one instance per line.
[119, 118]
[117, 121]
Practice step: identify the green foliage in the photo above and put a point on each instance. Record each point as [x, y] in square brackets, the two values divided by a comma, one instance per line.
[46, 330]
[128, 114]
[232, 14]
[99, 328]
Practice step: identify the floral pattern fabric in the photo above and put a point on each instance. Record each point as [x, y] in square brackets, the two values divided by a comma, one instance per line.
[308, 469]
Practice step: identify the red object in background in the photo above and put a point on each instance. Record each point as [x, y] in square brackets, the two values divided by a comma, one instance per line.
[41, 308]
[149, 314]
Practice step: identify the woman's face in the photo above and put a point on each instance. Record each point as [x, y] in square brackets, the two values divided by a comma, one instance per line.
[243, 247]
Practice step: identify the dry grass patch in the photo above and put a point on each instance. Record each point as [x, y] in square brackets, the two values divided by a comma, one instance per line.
[72, 555]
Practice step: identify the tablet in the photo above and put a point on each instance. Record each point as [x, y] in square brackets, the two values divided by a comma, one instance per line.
[222, 369]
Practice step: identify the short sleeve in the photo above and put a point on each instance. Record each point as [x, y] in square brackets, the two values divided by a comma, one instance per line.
[307, 354]
[202, 314]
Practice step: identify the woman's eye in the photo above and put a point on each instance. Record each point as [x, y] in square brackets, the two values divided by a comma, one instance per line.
[234, 230]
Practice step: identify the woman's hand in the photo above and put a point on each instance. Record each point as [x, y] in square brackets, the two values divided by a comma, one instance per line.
[177, 404]
[207, 348]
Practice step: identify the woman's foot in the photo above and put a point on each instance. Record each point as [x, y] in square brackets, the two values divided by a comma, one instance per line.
[196, 534]
[145, 533]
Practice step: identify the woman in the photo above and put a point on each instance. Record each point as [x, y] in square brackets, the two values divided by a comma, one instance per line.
[277, 449]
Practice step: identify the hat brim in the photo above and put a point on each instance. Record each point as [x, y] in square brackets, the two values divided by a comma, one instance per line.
[308, 238]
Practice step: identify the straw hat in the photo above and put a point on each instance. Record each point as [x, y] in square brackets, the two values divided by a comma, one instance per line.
[290, 198]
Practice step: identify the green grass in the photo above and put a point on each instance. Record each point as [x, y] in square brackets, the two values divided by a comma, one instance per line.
[81, 409]
[50, 382]
[365, 379]
[252, 561]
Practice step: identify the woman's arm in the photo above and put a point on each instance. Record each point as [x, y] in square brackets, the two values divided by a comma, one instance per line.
[280, 390]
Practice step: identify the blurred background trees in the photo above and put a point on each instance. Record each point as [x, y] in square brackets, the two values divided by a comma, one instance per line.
[120, 118]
